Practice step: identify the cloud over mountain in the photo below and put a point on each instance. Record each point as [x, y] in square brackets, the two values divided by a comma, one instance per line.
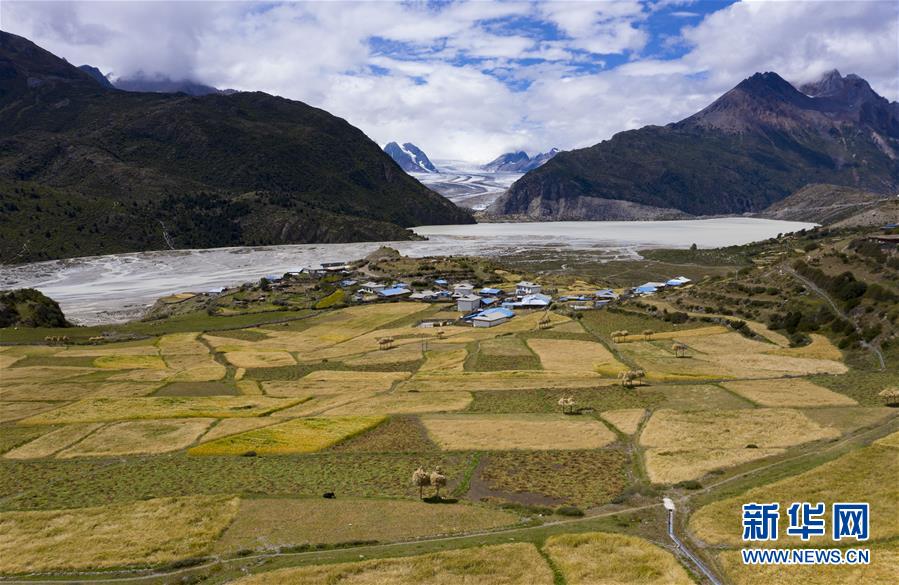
[483, 77]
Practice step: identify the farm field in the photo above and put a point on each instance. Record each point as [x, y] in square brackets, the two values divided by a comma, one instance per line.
[685, 445]
[273, 523]
[521, 564]
[865, 475]
[613, 559]
[501, 432]
[301, 435]
[215, 444]
[139, 533]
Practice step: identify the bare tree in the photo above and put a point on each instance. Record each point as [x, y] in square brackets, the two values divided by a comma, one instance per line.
[421, 479]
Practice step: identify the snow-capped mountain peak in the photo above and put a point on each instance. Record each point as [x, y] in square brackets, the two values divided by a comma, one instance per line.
[410, 158]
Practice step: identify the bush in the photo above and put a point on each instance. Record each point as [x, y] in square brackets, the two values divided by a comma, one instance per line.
[690, 484]
[569, 511]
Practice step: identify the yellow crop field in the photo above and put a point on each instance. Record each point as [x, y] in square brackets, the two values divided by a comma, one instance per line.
[626, 420]
[142, 533]
[399, 402]
[409, 352]
[234, 426]
[439, 381]
[140, 376]
[16, 410]
[260, 359]
[47, 445]
[109, 350]
[444, 360]
[794, 392]
[820, 348]
[130, 362]
[866, 475]
[249, 387]
[757, 359]
[882, 570]
[566, 355]
[670, 465]
[139, 437]
[595, 558]
[464, 432]
[732, 429]
[151, 407]
[725, 355]
[322, 403]
[35, 374]
[301, 435]
[682, 334]
[889, 441]
[333, 382]
[687, 444]
[520, 564]
[270, 523]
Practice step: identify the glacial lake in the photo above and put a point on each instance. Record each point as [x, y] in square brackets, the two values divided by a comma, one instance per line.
[119, 287]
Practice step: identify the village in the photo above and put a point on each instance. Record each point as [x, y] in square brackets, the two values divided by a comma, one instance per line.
[465, 302]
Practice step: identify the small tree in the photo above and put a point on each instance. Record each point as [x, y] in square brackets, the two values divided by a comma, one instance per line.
[421, 479]
[264, 284]
[438, 480]
[647, 334]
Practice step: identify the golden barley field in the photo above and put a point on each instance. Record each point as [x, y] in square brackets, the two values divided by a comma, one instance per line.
[685, 445]
[521, 565]
[48, 444]
[301, 435]
[139, 533]
[505, 432]
[882, 570]
[399, 402]
[113, 409]
[866, 475]
[139, 437]
[266, 523]
[334, 382]
[788, 392]
[566, 355]
[602, 558]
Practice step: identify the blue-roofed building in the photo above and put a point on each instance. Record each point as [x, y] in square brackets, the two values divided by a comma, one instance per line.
[441, 282]
[489, 301]
[536, 301]
[490, 292]
[492, 317]
[606, 293]
[347, 282]
[677, 281]
[646, 289]
[393, 292]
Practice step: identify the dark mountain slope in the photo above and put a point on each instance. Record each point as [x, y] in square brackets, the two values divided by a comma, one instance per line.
[86, 170]
[824, 204]
[752, 147]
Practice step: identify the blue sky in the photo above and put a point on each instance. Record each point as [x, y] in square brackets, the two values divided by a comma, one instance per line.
[472, 79]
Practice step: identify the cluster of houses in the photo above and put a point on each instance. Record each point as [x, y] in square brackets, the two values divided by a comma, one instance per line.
[486, 307]
[650, 288]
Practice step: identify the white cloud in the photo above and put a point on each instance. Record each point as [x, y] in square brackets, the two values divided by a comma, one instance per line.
[457, 88]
